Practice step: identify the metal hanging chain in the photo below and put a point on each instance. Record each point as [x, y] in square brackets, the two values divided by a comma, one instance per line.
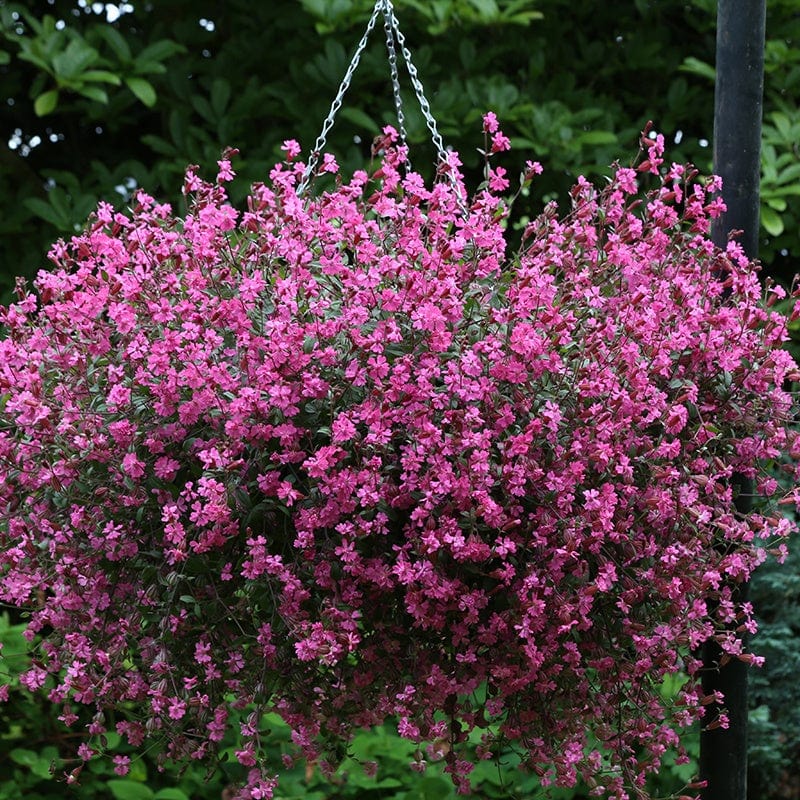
[398, 98]
[430, 121]
[319, 145]
[419, 90]
[392, 28]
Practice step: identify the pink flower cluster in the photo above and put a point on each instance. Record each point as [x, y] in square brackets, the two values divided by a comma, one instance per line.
[345, 458]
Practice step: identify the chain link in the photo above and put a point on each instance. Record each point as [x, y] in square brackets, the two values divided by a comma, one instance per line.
[419, 90]
[398, 99]
[393, 32]
[319, 145]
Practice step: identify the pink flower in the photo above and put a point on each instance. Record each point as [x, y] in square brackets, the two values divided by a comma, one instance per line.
[246, 756]
[118, 397]
[132, 465]
[490, 124]
[342, 429]
[497, 179]
[676, 419]
[166, 468]
[291, 148]
[655, 151]
[500, 142]
[225, 172]
[626, 180]
[122, 765]
[177, 708]
[329, 163]
[85, 752]
[532, 168]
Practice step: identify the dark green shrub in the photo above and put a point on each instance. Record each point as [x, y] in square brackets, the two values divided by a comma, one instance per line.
[774, 746]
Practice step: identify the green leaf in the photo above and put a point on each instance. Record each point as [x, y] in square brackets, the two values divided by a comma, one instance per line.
[518, 12]
[698, 67]
[171, 794]
[486, 772]
[431, 788]
[488, 10]
[116, 40]
[130, 790]
[143, 90]
[671, 685]
[82, 206]
[94, 93]
[178, 128]
[44, 768]
[24, 757]
[45, 103]
[360, 118]
[782, 191]
[220, 96]
[522, 143]
[150, 68]
[202, 107]
[782, 124]
[789, 174]
[45, 211]
[366, 782]
[771, 221]
[101, 76]
[35, 58]
[5, 58]
[70, 63]
[160, 145]
[113, 740]
[597, 137]
[40, 764]
[158, 51]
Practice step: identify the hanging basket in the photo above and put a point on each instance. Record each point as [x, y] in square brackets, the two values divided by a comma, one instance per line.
[344, 458]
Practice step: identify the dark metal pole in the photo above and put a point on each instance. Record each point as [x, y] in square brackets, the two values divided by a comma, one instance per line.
[737, 149]
[738, 99]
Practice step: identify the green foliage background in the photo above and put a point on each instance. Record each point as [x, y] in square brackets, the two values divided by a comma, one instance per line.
[92, 109]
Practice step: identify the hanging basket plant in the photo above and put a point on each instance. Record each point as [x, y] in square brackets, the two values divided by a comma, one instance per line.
[346, 458]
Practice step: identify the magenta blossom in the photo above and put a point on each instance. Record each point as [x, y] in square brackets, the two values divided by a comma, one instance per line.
[346, 458]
